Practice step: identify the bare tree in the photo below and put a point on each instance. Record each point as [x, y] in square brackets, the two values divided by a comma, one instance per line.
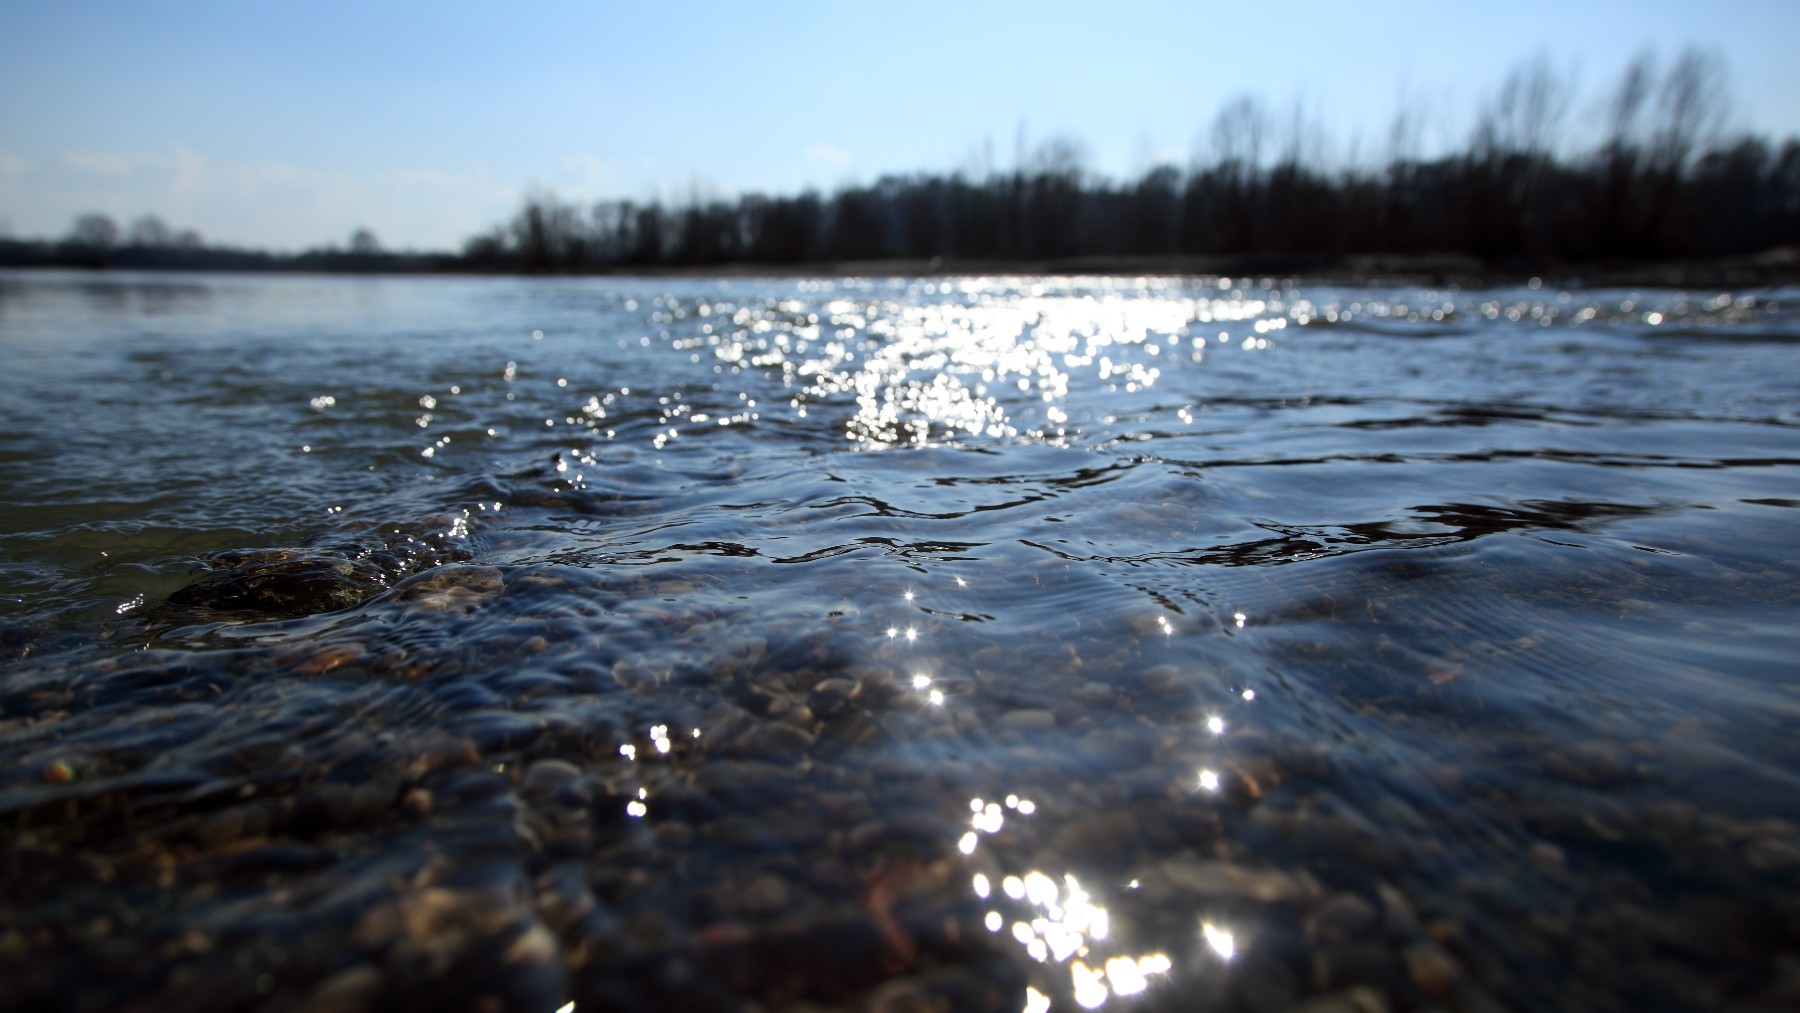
[95, 232]
[1690, 112]
[1238, 132]
[1062, 156]
[1625, 110]
[1525, 117]
[151, 233]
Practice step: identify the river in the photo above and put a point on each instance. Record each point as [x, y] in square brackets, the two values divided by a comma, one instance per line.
[975, 643]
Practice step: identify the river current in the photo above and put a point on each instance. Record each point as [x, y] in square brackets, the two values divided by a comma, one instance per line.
[966, 643]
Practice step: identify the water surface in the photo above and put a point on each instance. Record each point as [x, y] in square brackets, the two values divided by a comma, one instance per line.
[985, 643]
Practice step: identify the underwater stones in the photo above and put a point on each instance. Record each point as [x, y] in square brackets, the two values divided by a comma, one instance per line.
[1343, 917]
[353, 990]
[765, 896]
[1163, 681]
[549, 777]
[1111, 833]
[281, 588]
[453, 589]
[1592, 764]
[1190, 877]
[769, 738]
[1431, 968]
[331, 657]
[1361, 999]
[1028, 719]
[1770, 854]
[434, 750]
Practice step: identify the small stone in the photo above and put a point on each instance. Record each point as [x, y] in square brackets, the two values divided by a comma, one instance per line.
[1433, 969]
[1767, 854]
[1228, 879]
[1344, 917]
[1162, 680]
[548, 775]
[351, 991]
[416, 803]
[1360, 999]
[335, 656]
[767, 894]
[1028, 719]
[771, 738]
[902, 995]
[536, 947]
[1397, 911]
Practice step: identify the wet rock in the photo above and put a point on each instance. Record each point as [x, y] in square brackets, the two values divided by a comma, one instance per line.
[282, 588]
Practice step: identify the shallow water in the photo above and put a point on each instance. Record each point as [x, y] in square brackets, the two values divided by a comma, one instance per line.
[988, 643]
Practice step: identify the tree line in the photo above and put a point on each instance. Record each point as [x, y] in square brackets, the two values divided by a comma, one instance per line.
[1661, 177]
[148, 243]
[1664, 180]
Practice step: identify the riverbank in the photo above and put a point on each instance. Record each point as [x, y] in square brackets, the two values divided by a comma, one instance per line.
[1778, 266]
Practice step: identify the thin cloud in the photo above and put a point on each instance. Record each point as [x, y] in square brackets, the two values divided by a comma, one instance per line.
[112, 163]
[828, 155]
[589, 172]
[272, 203]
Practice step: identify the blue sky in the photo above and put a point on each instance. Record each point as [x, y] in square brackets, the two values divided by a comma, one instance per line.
[290, 125]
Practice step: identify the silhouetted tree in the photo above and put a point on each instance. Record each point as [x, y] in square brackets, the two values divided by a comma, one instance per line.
[149, 232]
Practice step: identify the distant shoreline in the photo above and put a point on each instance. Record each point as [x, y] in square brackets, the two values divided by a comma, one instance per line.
[1780, 266]
[1774, 267]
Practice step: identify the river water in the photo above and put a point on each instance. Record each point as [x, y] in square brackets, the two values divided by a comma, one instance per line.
[974, 643]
